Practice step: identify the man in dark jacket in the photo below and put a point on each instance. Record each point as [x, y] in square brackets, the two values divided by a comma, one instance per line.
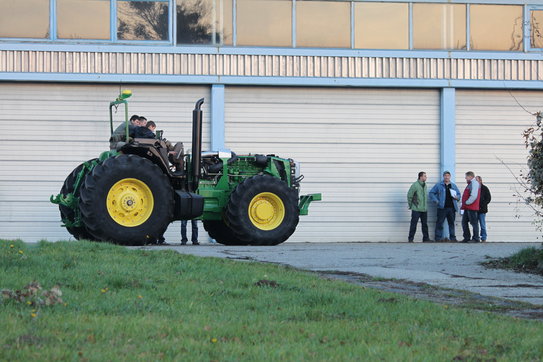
[447, 205]
[483, 207]
[145, 132]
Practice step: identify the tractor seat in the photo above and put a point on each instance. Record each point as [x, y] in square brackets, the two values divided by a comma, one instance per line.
[178, 151]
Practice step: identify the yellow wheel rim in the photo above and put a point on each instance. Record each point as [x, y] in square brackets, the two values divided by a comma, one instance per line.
[266, 211]
[130, 202]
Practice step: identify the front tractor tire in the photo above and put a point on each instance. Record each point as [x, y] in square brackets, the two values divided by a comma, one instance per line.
[127, 200]
[263, 210]
[67, 213]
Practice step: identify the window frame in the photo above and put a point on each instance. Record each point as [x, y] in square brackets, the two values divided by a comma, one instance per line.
[53, 31]
[528, 27]
[528, 7]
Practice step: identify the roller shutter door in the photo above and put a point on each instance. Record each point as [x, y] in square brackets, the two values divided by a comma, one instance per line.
[362, 148]
[489, 129]
[48, 129]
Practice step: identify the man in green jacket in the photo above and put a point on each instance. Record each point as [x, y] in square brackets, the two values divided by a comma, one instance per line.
[417, 198]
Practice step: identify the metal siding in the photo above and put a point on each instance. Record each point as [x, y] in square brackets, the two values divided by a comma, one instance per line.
[55, 127]
[249, 65]
[361, 148]
[489, 129]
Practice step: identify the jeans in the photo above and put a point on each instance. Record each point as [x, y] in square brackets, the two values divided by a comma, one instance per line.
[482, 224]
[194, 225]
[448, 213]
[470, 217]
[415, 215]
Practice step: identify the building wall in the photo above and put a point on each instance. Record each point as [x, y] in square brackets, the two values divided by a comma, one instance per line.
[351, 116]
[489, 127]
[52, 128]
[360, 147]
[224, 67]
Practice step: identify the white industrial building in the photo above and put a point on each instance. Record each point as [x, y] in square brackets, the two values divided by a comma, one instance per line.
[365, 94]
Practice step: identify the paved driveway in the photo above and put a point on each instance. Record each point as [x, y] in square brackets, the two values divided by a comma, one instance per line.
[447, 265]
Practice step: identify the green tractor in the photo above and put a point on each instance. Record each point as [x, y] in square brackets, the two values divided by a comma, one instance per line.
[131, 193]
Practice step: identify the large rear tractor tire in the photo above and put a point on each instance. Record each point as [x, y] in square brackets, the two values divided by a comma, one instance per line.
[222, 234]
[263, 210]
[67, 213]
[127, 200]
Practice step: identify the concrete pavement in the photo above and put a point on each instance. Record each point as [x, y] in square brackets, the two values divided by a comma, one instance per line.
[448, 265]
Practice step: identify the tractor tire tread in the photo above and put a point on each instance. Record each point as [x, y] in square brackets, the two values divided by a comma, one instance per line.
[237, 210]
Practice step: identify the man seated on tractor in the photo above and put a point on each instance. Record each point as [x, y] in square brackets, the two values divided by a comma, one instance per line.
[175, 153]
[142, 121]
[119, 133]
[146, 131]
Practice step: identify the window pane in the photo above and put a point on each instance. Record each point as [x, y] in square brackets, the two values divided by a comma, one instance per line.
[83, 19]
[496, 27]
[264, 22]
[536, 32]
[439, 26]
[142, 20]
[381, 26]
[204, 22]
[24, 19]
[323, 24]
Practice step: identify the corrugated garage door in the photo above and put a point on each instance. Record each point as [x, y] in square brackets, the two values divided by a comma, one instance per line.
[362, 148]
[48, 129]
[489, 129]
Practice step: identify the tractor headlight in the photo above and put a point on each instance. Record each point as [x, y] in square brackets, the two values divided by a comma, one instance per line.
[297, 170]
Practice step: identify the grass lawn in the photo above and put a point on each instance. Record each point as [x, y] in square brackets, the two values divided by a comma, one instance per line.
[120, 304]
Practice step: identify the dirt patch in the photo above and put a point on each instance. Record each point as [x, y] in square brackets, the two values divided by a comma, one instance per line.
[509, 264]
[453, 297]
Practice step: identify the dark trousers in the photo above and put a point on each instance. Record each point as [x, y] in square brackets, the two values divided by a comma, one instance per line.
[194, 225]
[415, 215]
[448, 213]
[470, 217]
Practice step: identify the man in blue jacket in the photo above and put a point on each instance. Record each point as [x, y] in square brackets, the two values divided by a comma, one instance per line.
[445, 195]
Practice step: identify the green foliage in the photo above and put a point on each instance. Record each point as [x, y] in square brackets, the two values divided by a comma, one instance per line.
[529, 260]
[533, 180]
[149, 305]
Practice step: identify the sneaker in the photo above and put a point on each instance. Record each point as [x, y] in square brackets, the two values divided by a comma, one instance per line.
[473, 241]
[453, 240]
[428, 241]
[183, 242]
[464, 241]
[409, 240]
[195, 243]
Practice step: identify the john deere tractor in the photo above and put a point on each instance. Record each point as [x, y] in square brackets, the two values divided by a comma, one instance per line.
[131, 193]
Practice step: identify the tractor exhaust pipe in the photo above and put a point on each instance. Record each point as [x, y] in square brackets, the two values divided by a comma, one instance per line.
[196, 144]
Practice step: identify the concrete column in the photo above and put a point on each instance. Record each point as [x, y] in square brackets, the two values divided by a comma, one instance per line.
[447, 140]
[447, 148]
[217, 117]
